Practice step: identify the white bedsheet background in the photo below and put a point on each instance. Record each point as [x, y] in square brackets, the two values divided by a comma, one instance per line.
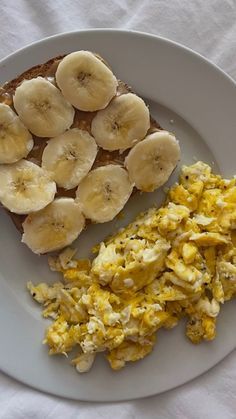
[209, 27]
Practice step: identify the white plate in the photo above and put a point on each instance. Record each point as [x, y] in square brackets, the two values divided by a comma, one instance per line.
[179, 85]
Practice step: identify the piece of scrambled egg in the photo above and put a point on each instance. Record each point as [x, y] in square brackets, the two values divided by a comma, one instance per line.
[173, 262]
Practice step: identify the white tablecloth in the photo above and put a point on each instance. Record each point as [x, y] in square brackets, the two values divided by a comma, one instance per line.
[209, 27]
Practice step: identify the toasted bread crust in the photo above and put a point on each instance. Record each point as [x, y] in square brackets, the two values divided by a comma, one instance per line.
[82, 120]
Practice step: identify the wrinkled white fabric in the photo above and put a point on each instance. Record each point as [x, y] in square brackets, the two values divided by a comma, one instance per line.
[207, 26]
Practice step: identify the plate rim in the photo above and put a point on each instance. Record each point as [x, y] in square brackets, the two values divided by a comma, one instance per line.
[127, 31]
[111, 400]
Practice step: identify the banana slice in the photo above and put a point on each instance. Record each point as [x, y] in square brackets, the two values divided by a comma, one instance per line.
[122, 124]
[69, 157]
[104, 192]
[151, 162]
[25, 187]
[15, 140]
[54, 227]
[86, 81]
[42, 108]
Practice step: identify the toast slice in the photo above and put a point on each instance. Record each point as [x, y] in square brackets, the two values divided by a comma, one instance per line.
[82, 120]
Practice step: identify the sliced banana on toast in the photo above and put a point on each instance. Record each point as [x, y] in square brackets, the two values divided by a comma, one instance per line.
[25, 187]
[45, 107]
[85, 81]
[151, 162]
[123, 123]
[69, 157]
[42, 108]
[15, 140]
[103, 192]
[54, 227]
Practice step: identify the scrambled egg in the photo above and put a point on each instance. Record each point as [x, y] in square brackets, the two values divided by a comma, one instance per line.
[173, 262]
